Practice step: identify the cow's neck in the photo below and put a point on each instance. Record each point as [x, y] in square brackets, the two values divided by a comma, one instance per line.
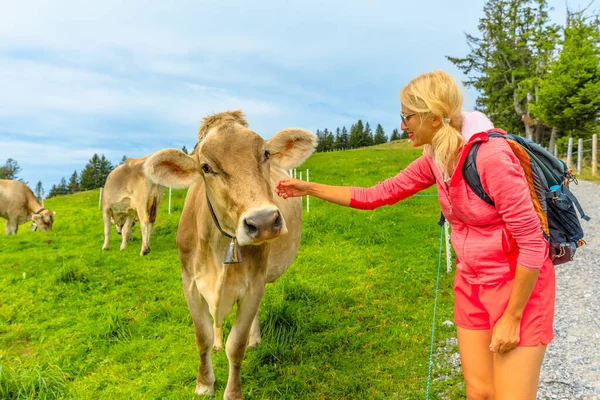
[33, 205]
[232, 281]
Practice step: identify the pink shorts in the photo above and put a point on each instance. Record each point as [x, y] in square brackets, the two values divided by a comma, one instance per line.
[480, 306]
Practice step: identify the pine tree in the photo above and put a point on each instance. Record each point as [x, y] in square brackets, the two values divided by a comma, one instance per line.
[95, 173]
[508, 61]
[337, 139]
[105, 168]
[9, 170]
[73, 183]
[53, 192]
[367, 139]
[39, 191]
[356, 135]
[569, 99]
[328, 137]
[62, 188]
[344, 139]
[123, 160]
[380, 136]
[320, 141]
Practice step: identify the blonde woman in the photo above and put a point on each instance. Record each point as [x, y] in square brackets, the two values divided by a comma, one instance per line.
[504, 286]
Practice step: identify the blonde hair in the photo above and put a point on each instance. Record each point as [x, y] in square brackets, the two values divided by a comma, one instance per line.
[437, 94]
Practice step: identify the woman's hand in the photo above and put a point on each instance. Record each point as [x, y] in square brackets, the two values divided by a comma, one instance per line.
[291, 188]
[506, 334]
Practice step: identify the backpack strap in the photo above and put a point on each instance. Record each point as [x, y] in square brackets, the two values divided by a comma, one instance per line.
[570, 196]
[469, 170]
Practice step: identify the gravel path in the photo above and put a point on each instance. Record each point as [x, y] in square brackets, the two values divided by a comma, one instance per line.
[571, 368]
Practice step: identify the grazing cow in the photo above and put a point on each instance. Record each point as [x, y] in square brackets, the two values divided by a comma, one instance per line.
[18, 205]
[232, 174]
[129, 193]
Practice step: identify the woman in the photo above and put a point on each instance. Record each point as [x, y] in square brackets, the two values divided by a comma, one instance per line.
[504, 286]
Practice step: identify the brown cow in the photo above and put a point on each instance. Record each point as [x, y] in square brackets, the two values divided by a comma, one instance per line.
[233, 171]
[18, 205]
[129, 193]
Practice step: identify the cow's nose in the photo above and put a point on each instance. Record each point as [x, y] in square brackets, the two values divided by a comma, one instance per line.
[263, 225]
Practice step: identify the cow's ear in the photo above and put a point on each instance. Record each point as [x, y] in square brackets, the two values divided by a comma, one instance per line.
[290, 147]
[172, 168]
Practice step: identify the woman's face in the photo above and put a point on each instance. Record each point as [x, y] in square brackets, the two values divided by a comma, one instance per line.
[420, 131]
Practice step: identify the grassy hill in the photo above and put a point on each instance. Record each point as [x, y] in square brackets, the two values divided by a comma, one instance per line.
[351, 319]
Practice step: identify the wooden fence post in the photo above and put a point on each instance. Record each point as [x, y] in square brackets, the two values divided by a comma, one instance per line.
[579, 154]
[169, 200]
[307, 196]
[569, 152]
[594, 153]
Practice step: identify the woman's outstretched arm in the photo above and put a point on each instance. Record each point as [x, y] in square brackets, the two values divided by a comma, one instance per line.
[295, 188]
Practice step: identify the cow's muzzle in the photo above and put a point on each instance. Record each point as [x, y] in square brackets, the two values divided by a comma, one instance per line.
[263, 225]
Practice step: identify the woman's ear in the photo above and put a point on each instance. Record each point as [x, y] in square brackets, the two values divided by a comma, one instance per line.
[435, 121]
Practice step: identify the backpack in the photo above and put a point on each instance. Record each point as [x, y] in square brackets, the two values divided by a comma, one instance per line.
[548, 179]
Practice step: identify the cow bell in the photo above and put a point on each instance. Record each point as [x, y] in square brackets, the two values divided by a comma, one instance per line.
[232, 254]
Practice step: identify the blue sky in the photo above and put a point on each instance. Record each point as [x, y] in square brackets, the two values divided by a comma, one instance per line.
[129, 78]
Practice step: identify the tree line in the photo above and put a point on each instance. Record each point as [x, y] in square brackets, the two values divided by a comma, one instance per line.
[535, 77]
[93, 176]
[360, 135]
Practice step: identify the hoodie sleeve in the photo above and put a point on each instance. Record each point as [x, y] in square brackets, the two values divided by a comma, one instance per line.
[414, 178]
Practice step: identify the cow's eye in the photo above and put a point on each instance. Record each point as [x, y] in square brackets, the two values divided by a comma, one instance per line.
[207, 169]
[267, 155]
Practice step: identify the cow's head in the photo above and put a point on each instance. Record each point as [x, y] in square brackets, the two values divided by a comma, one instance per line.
[120, 223]
[43, 219]
[235, 164]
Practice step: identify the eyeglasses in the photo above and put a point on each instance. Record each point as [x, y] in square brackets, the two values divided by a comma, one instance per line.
[406, 117]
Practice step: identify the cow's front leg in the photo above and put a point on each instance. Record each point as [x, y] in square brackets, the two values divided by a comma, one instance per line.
[106, 230]
[12, 225]
[126, 231]
[238, 337]
[205, 382]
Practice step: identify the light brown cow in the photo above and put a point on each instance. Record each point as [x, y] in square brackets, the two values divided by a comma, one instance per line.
[233, 170]
[129, 193]
[18, 205]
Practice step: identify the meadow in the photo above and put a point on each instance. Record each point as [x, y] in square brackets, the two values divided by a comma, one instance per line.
[350, 319]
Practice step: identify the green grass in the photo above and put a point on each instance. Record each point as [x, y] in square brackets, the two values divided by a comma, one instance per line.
[350, 319]
[586, 174]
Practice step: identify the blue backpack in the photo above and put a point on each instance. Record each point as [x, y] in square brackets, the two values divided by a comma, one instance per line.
[548, 179]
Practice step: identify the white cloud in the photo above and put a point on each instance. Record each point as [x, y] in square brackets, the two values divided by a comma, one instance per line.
[114, 77]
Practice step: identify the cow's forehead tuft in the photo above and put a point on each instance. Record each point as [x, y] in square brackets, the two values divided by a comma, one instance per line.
[225, 119]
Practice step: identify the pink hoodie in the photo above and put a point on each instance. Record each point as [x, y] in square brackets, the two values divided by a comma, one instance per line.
[482, 235]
